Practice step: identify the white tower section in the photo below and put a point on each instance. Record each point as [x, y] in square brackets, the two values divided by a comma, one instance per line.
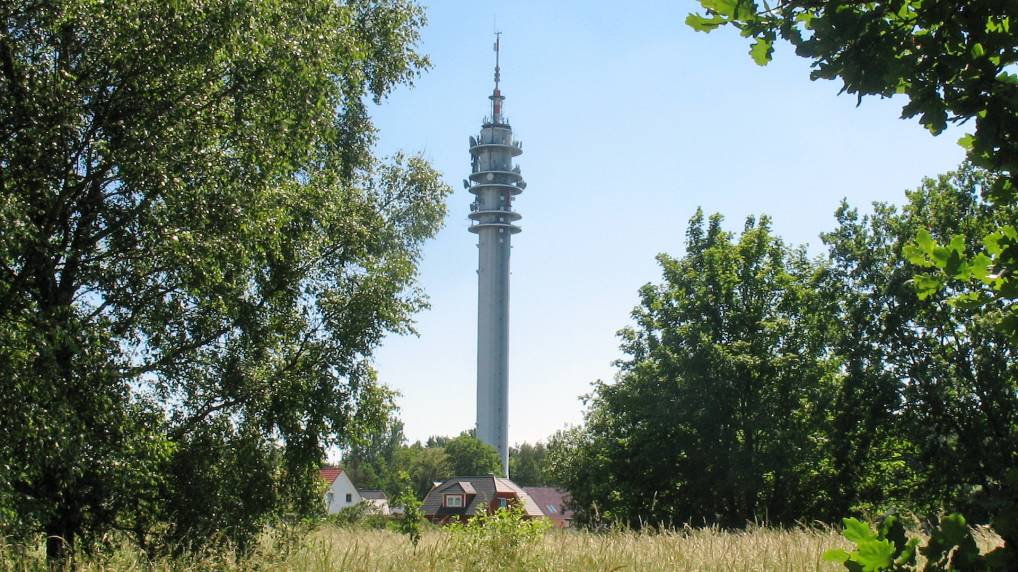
[495, 181]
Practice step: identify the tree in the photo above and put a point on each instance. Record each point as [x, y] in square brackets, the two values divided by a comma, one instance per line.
[469, 456]
[413, 516]
[424, 465]
[885, 399]
[219, 476]
[441, 458]
[370, 461]
[575, 463]
[527, 464]
[954, 61]
[199, 251]
[929, 405]
[439, 441]
[719, 410]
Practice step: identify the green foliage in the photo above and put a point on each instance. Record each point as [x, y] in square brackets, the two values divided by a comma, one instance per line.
[424, 465]
[719, 412]
[440, 441]
[885, 400]
[193, 257]
[376, 460]
[951, 59]
[528, 465]
[350, 515]
[573, 464]
[370, 460]
[955, 265]
[960, 409]
[361, 515]
[413, 517]
[950, 429]
[887, 549]
[954, 61]
[469, 456]
[951, 547]
[498, 538]
[221, 483]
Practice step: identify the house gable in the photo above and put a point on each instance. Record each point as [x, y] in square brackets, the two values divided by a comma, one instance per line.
[341, 493]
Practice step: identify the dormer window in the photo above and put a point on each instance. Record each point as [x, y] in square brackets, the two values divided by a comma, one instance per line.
[454, 501]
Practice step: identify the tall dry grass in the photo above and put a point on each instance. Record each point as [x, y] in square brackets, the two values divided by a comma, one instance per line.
[358, 550]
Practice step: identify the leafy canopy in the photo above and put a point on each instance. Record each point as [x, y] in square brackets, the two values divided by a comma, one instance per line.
[761, 384]
[719, 411]
[528, 464]
[955, 61]
[469, 456]
[198, 254]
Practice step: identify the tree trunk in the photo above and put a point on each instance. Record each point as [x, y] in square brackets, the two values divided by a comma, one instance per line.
[59, 546]
[59, 365]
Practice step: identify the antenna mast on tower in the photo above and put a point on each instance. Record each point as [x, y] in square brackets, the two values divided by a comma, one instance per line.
[496, 95]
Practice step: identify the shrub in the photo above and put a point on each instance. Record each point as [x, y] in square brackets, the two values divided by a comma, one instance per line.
[413, 516]
[500, 536]
[360, 515]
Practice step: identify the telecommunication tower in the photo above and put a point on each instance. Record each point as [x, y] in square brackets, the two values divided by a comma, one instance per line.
[495, 181]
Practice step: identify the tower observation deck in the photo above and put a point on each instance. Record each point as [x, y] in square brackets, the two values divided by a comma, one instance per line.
[495, 181]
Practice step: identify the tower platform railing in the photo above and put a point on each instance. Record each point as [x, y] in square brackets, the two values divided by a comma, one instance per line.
[481, 214]
[514, 148]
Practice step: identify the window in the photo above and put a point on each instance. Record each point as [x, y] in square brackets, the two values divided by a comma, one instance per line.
[349, 497]
[454, 501]
[551, 509]
[503, 503]
[328, 499]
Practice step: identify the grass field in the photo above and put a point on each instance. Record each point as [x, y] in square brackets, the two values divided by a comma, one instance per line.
[351, 549]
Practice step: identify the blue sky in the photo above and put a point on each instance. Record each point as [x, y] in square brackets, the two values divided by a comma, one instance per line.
[629, 122]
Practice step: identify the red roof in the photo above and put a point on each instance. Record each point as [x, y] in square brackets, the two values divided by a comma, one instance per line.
[329, 474]
[553, 502]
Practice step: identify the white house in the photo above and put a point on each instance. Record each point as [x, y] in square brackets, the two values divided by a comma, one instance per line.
[378, 501]
[341, 492]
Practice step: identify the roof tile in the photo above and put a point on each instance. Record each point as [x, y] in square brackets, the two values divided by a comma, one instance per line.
[329, 474]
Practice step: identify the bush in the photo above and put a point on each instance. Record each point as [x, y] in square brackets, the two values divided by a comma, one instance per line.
[498, 537]
[413, 516]
[360, 515]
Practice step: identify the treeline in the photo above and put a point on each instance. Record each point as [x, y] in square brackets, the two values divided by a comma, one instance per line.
[384, 460]
[760, 384]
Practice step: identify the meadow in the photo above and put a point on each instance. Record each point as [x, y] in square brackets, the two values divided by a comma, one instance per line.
[361, 550]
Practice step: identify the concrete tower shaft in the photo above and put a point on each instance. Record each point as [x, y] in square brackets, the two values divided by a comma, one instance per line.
[495, 181]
